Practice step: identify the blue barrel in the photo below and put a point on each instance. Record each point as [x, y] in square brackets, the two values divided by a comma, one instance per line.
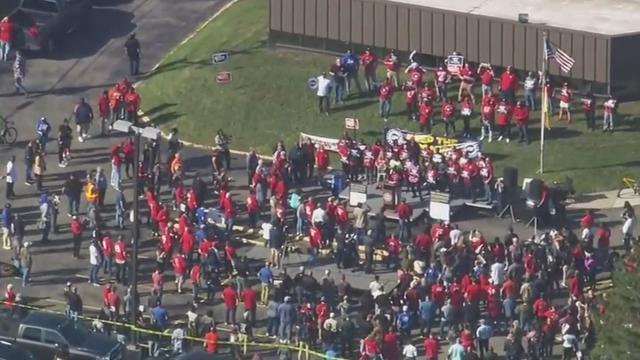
[337, 183]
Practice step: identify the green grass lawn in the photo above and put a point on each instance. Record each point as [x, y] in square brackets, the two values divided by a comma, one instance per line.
[268, 100]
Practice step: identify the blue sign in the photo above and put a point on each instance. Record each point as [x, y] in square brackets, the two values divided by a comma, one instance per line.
[220, 58]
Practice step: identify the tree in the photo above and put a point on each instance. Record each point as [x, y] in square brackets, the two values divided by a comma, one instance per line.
[618, 325]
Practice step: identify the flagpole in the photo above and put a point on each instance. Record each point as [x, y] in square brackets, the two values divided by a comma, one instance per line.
[545, 100]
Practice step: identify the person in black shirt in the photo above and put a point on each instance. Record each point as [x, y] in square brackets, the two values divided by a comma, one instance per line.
[73, 190]
[64, 142]
[133, 51]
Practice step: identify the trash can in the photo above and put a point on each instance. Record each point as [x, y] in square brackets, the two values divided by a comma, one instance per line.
[337, 183]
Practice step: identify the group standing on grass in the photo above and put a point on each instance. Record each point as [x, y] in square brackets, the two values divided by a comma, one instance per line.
[499, 110]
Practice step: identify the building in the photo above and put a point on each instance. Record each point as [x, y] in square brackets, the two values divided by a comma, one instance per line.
[602, 37]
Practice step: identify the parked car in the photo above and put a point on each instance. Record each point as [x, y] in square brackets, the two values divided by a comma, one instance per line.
[10, 350]
[43, 334]
[47, 24]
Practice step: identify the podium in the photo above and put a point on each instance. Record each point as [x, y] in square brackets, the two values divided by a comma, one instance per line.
[390, 195]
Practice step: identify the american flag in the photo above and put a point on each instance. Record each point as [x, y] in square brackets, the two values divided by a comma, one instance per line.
[562, 58]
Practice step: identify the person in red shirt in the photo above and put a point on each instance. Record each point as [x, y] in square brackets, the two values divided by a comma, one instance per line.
[521, 114]
[105, 113]
[230, 299]
[133, 101]
[390, 348]
[426, 113]
[116, 101]
[448, 112]
[249, 299]
[565, 103]
[603, 236]
[393, 251]
[77, 227]
[487, 110]
[229, 213]
[505, 112]
[10, 297]
[466, 109]
[120, 256]
[385, 93]
[211, 341]
[322, 163]
[509, 85]
[113, 304]
[589, 107]
[467, 78]
[369, 62]
[392, 64]
[575, 285]
[587, 220]
[431, 347]
[404, 212]
[179, 267]
[416, 74]
[315, 241]
[107, 254]
[7, 30]
[411, 100]
[486, 78]
[424, 242]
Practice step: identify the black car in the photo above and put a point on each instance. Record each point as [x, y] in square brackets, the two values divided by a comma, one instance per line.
[43, 334]
[46, 24]
[10, 350]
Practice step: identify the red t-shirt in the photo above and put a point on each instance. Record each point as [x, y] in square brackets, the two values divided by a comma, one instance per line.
[508, 81]
[505, 111]
[431, 348]
[521, 114]
[486, 78]
[230, 297]
[211, 341]
[249, 299]
[448, 111]
[467, 75]
[386, 92]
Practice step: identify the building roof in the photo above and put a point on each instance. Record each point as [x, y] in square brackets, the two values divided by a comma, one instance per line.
[595, 16]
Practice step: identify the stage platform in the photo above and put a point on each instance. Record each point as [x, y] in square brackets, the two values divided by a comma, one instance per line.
[420, 207]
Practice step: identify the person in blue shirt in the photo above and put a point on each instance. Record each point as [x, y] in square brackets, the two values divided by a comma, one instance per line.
[7, 222]
[43, 128]
[160, 316]
[351, 65]
[265, 275]
[427, 310]
[404, 322]
[201, 234]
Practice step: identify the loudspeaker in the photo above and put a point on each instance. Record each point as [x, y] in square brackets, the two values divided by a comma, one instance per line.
[510, 177]
[535, 190]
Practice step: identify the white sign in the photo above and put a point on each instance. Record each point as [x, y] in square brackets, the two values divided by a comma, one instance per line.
[328, 143]
[357, 194]
[454, 63]
[439, 208]
[351, 124]
[220, 58]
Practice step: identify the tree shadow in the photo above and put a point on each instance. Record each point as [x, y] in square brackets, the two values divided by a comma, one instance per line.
[355, 105]
[165, 117]
[175, 65]
[159, 108]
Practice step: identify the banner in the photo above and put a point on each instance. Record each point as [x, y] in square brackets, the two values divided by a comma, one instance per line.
[328, 143]
[434, 143]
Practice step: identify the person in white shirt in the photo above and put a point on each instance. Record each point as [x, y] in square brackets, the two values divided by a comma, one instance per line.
[497, 273]
[95, 260]
[266, 228]
[319, 215]
[410, 352]
[11, 177]
[376, 286]
[324, 91]
[609, 112]
[530, 91]
[456, 235]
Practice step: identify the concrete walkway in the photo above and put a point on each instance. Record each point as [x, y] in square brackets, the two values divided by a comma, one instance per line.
[605, 200]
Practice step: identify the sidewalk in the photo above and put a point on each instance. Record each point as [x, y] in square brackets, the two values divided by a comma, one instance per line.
[605, 200]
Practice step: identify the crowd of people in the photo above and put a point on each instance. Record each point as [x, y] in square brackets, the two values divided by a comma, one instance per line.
[499, 109]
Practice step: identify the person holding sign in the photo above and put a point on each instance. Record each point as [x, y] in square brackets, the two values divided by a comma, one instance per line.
[448, 116]
[486, 77]
[466, 108]
[609, 112]
[467, 78]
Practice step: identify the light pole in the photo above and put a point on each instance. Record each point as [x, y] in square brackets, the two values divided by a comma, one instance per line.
[137, 132]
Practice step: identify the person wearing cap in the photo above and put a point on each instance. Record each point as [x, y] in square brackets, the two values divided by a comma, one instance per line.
[83, 115]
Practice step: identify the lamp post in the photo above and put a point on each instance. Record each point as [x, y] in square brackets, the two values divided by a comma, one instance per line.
[137, 132]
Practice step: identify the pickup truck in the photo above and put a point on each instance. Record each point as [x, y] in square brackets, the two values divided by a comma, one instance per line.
[43, 333]
[47, 24]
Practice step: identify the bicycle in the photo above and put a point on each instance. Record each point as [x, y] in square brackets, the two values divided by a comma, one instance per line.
[9, 134]
[629, 182]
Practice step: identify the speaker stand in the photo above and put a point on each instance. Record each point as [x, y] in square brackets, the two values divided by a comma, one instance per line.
[534, 222]
[504, 211]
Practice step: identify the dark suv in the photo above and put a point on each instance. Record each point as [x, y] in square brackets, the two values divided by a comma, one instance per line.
[46, 24]
[10, 351]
